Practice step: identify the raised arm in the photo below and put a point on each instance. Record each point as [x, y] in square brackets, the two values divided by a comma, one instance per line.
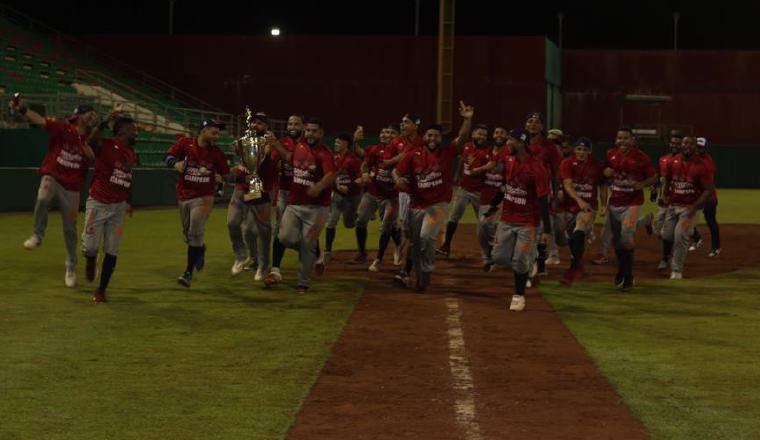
[466, 112]
[32, 116]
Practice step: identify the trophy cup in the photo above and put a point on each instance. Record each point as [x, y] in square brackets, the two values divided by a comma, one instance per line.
[250, 149]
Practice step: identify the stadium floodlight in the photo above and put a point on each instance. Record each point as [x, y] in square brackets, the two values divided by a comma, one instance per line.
[275, 31]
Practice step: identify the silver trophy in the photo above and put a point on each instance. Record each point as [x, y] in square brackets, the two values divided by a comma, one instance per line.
[250, 148]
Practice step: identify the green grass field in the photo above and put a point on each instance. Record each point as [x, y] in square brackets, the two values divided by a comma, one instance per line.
[228, 360]
[223, 360]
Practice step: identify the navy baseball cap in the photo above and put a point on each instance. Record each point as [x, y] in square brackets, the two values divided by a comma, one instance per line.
[80, 110]
[583, 142]
[261, 116]
[520, 134]
[536, 115]
[213, 123]
[415, 118]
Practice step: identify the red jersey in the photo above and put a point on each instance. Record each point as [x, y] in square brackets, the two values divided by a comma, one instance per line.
[547, 152]
[635, 166]
[431, 174]
[494, 178]
[381, 180]
[473, 157]
[586, 177]
[201, 166]
[663, 163]
[286, 168]
[711, 166]
[112, 180]
[65, 160]
[688, 179]
[310, 165]
[525, 182]
[403, 145]
[348, 168]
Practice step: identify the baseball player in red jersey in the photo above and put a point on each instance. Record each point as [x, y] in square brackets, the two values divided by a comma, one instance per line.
[688, 185]
[428, 173]
[289, 141]
[631, 170]
[493, 172]
[566, 148]
[547, 152]
[308, 201]
[407, 141]
[710, 209]
[197, 160]
[256, 213]
[110, 198]
[662, 208]
[345, 198]
[525, 206]
[474, 155]
[584, 184]
[380, 193]
[63, 174]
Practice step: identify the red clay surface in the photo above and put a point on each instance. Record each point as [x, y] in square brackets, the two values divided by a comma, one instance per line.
[389, 375]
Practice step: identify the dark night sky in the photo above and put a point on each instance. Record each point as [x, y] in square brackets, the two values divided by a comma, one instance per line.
[588, 24]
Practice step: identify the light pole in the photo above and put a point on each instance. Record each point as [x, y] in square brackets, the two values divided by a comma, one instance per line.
[171, 17]
[676, 17]
[561, 19]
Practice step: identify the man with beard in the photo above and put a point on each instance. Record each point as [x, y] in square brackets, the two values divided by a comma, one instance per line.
[289, 141]
[110, 198]
[659, 189]
[380, 193]
[345, 197]
[526, 205]
[197, 160]
[584, 184]
[631, 170]
[257, 214]
[63, 172]
[309, 199]
[688, 185]
[475, 155]
[710, 210]
[427, 174]
[493, 172]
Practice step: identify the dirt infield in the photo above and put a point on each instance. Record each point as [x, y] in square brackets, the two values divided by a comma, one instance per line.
[454, 364]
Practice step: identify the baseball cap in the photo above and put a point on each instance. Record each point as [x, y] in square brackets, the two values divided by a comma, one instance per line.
[213, 123]
[415, 118]
[520, 134]
[345, 136]
[702, 142]
[536, 115]
[556, 132]
[583, 142]
[80, 110]
[261, 116]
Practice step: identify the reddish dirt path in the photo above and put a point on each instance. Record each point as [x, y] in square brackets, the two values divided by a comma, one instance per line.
[389, 375]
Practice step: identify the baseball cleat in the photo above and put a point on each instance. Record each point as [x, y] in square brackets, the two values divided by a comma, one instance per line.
[443, 250]
[301, 290]
[554, 260]
[273, 278]
[259, 274]
[402, 279]
[600, 259]
[100, 296]
[238, 266]
[184, 279]
[696, 245]
[676, 275]
[664, 265]
[70, 279]
[517, 304]
[487, 267]
[397, 256]
[714, 253]
[619, 279]
[32, 242]
[375, 266]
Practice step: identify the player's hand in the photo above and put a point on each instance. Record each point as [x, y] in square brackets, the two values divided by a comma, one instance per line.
[466, 111]
[609, 172]
[270, 139]
[402, 184]
[546, 239]
[490, 213]
[129, 210]
[314, 191]
[180, 166]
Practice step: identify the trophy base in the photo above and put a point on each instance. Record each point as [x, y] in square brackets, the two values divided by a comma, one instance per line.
[255, 198]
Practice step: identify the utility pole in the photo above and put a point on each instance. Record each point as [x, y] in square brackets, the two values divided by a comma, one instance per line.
[445, 92]
[561, 19]
[417, 18]
[171, 17]
[676, 17]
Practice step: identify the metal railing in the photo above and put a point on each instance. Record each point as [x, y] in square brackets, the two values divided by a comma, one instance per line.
[143, 78]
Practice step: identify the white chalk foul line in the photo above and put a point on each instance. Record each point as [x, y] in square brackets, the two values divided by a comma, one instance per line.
[460, 373]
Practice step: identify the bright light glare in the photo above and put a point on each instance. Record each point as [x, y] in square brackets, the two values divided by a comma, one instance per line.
[275, 32]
